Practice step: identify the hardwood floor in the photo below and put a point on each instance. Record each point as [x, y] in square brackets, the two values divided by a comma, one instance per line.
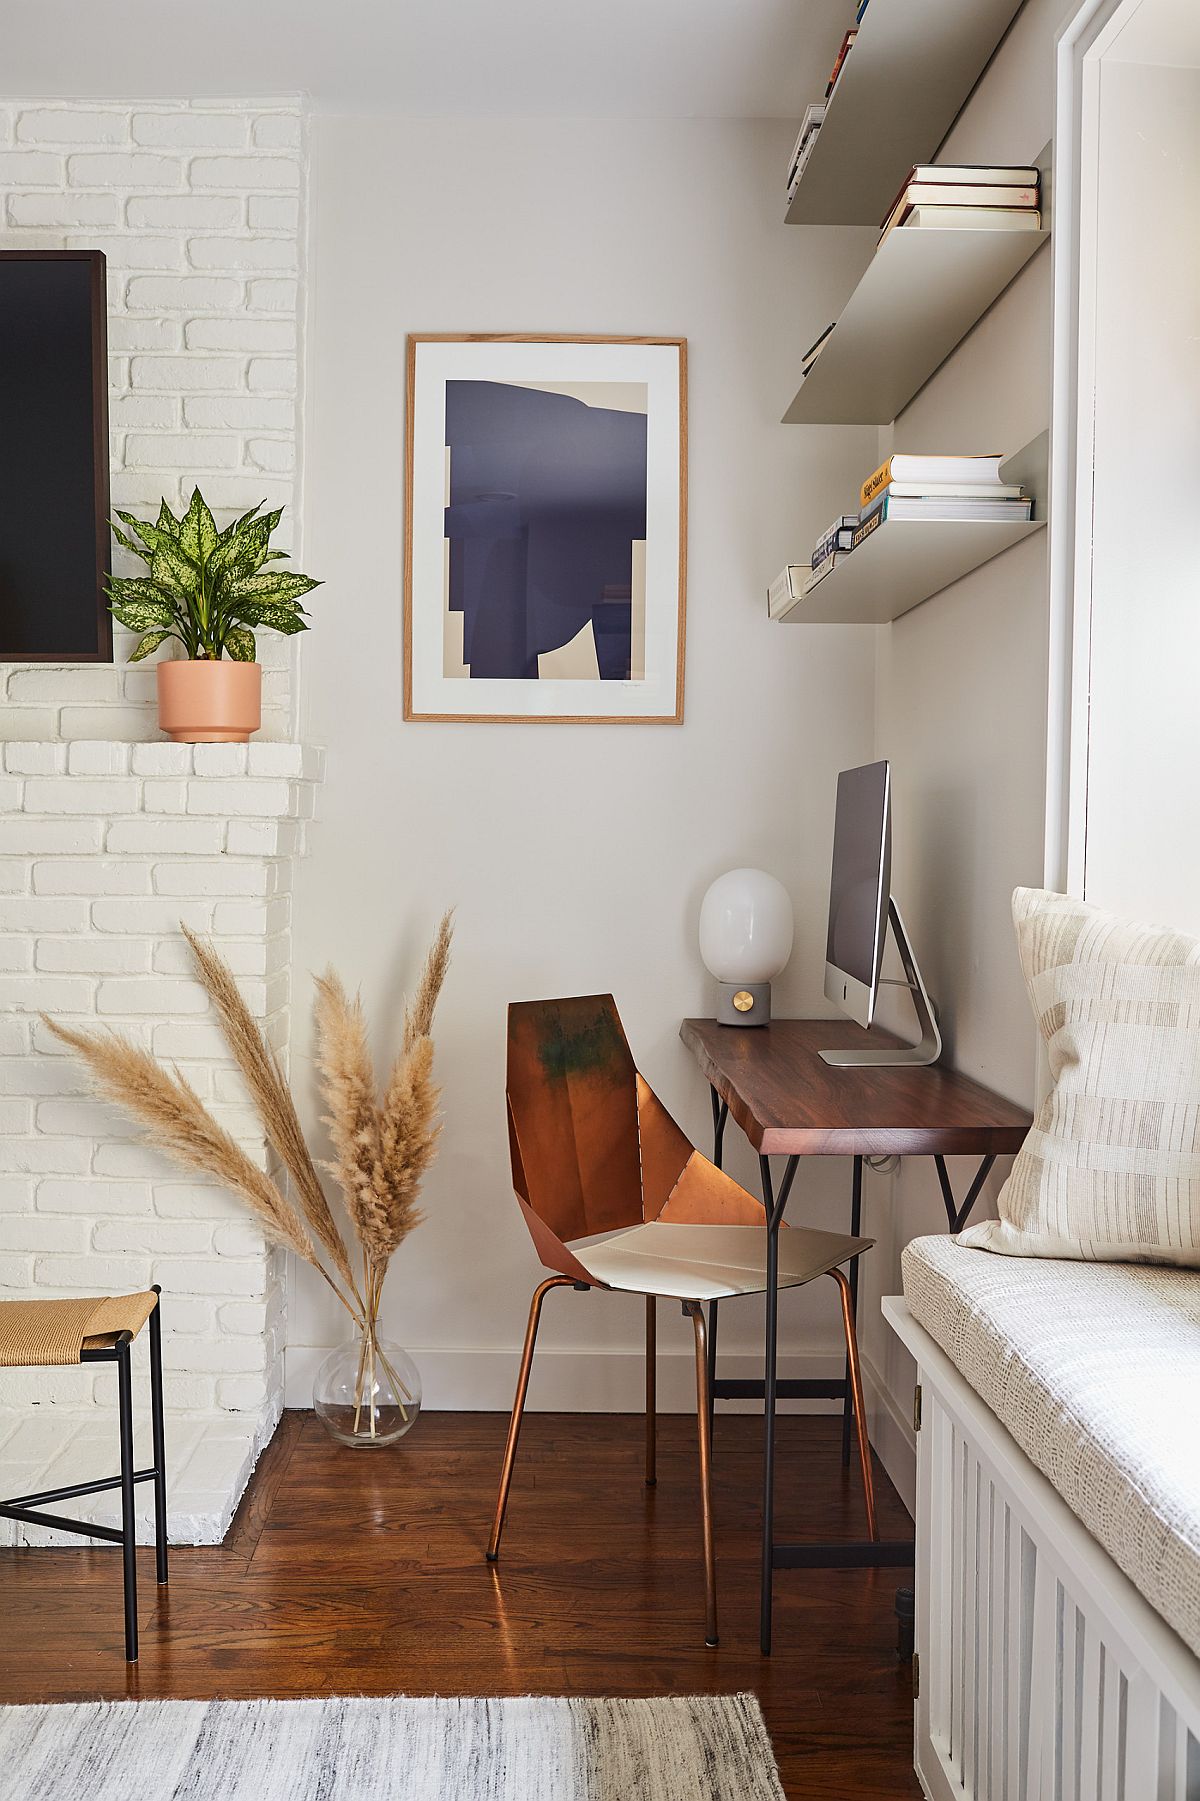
[363, 1572]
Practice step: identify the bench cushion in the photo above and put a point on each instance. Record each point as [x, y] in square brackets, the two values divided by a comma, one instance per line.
[1094, 1369]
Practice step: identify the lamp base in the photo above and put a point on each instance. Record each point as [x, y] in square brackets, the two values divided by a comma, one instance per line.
[743, 1003]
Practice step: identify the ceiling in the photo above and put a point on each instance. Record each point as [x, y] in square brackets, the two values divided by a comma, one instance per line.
[561, 58]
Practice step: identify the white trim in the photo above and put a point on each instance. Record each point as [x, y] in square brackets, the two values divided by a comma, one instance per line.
[572, 1381]
[1081, 44]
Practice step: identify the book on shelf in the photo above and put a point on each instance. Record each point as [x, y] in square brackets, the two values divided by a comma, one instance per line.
[931, 193]
[948, 491]
[974, 175]
[959, 184]
[967, 218]
[786, 590]
[819, 571]
[907, 466]
[862, 7]
[835, 537]
[805, 139]
[840, 60]
[944, 511]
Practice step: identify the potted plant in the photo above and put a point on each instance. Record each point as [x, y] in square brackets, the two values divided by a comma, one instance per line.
[210, 590]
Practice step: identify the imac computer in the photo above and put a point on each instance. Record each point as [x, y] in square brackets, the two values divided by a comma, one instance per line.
[861, 908]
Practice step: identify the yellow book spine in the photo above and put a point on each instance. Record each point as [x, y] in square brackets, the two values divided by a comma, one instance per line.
[875, 484]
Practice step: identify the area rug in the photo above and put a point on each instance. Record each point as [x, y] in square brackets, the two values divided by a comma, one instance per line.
[678, 1748]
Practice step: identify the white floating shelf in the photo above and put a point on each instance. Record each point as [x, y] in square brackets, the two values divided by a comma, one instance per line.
[920, 295]
[911, 68]
[902, 563]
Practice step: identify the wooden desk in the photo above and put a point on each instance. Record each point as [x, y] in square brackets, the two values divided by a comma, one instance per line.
[790, 1103]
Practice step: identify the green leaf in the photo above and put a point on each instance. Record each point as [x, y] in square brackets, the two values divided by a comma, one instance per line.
[124, 542]
[198, 529]
[231, 531]
[287, 617]
[150, 535]
[150, 642]
[173, 569]
[143, 615]
[240, 645]
[273, 587]
[167, 521]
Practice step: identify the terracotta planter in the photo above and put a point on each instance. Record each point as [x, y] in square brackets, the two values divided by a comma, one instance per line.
[209, 703]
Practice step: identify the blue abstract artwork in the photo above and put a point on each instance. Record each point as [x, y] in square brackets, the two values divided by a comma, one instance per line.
[545, 522]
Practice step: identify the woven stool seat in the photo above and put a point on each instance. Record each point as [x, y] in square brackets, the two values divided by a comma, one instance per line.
[36, 1334]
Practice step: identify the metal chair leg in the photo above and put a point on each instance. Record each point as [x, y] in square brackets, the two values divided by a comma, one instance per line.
[860, 1413]
[160, 1442]
[704, 1428]
[518, 1412]
[651, 1388]
[128, 1521]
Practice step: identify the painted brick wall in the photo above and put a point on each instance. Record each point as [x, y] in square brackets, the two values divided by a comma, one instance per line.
[199, 209]
[104, 848]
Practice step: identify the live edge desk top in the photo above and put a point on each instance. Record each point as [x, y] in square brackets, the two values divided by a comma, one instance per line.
[789, 1102]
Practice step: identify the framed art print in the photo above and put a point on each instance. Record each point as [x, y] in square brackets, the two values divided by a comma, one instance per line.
[545, 529]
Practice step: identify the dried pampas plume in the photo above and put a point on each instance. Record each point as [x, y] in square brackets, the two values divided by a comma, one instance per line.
[383, 1146]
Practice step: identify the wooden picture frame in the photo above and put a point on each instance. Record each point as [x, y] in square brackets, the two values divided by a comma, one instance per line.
[558, 427]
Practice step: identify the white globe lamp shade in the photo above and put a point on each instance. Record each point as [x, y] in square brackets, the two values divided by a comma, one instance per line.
[746, 930]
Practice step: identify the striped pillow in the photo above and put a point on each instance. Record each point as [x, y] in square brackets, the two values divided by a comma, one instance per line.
[1110, 1171]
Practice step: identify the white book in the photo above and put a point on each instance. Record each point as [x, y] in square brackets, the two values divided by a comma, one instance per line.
[973, 218]
[947, 508]
[973, 175]
[950, 491]
[786, 590]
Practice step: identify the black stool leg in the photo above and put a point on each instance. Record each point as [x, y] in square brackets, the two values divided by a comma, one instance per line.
[160, 1445]
[128, 1522]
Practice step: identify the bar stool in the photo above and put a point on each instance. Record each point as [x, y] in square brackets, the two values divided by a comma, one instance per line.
[98, 1329]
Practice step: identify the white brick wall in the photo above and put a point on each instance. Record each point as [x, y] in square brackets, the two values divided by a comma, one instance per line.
[199, 210]
[104, 847]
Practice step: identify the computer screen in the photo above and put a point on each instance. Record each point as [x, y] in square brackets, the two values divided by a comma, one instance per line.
[859, 889]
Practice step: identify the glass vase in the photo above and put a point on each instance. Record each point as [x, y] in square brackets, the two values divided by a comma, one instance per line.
[368, 1391]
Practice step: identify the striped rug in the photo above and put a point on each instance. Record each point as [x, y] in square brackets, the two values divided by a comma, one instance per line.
[679, 1748]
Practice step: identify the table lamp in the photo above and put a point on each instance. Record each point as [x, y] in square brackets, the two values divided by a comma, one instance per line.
[745, 939]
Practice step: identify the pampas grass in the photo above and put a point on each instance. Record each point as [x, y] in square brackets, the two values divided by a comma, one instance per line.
[383, 1143]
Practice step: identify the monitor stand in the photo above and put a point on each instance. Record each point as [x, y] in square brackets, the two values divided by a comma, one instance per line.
[929, 1047]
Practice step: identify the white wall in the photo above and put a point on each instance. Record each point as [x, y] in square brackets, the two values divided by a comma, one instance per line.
[961, 702]
[576, 855]
[198, 209]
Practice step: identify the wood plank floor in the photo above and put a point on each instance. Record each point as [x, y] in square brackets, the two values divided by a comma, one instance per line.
[363, 1572]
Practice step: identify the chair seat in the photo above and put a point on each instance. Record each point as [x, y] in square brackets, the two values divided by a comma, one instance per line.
[40, 1334]
[709, 1263]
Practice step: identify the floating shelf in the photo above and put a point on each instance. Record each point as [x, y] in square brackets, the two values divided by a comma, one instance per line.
[912, 66]
[903, 563]
[921, 293]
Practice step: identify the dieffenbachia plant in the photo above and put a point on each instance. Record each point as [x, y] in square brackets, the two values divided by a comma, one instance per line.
[208, 588]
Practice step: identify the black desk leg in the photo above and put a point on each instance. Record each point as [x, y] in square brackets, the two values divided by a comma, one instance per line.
[720, 1113]
[775, 1210]
[957, 1217]
[855, 1228]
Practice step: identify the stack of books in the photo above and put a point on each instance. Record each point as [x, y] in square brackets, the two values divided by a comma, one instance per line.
[942, 488]
[803, 147]
[839, 61]
[964, 197]
[937, 487]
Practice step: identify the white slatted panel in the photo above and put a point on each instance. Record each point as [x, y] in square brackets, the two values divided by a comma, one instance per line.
[1028, 1693]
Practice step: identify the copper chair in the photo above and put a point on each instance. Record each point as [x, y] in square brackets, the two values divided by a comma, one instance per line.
[593, 1151]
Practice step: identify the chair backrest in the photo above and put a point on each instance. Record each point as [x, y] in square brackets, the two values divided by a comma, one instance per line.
[573, 1116]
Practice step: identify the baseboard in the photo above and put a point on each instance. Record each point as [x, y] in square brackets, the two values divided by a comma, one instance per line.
[892, 1435]
[572, 1381]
